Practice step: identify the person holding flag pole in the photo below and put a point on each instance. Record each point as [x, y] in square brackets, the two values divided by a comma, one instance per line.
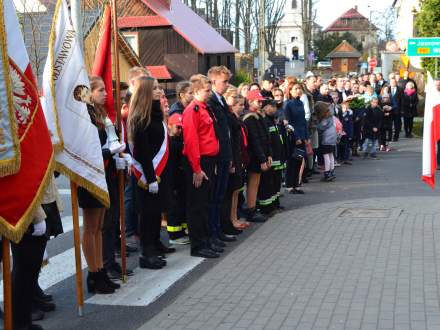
[431, 132]
[26, 167]
[103, 67]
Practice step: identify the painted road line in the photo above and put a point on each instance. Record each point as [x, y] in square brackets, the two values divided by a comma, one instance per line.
[60, 267]
[64, 191]
[145, 286]
[68, 223]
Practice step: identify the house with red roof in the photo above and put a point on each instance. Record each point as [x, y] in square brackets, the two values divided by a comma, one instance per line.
[173, 41]
[354, 22]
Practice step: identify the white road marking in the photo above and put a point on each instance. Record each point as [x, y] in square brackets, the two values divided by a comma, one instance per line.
[64, 191]
[146, 285]
[68, 223]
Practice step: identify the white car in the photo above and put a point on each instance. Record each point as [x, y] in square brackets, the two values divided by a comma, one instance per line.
[324, 64]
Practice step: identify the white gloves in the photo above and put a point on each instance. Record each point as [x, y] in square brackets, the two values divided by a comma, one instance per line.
[128, 159]
[123, 162]
[39, 228]
[120, 162]
[153, 187]
[117, 147]
[290, 128]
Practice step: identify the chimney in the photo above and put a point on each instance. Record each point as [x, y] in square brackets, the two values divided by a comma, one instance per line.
[356, 8]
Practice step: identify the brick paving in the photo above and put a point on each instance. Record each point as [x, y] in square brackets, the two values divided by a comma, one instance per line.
[318, 267]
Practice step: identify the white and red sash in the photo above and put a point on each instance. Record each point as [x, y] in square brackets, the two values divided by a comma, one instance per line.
[159, 162]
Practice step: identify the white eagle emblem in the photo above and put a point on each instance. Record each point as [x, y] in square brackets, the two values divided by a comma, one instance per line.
[21, 100]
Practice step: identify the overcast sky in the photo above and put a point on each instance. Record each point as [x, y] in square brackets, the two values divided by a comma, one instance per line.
[329, 10]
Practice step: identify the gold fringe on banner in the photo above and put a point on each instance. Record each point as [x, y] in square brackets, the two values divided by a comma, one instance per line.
[8, 166]
[99, 193]
[60, 145]
[15, 233]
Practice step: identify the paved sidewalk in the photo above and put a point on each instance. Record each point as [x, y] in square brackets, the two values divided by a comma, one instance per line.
[360, 253]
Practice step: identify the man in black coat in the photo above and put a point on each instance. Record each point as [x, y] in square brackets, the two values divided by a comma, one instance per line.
[396, 95]
[219, 77]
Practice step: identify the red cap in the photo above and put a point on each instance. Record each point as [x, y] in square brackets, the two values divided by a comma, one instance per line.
[175, 119]
[255, 95]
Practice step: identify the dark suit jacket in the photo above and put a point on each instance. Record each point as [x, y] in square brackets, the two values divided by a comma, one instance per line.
[222, 128]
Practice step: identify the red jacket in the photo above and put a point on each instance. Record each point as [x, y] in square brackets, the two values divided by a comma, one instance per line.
[198, 134]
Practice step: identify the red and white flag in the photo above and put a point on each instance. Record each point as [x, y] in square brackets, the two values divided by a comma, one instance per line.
[21, 193]
[431, 132]
[65, 84]
[102, 66]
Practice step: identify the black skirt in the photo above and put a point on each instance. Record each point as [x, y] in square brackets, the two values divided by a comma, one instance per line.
[326, 149]
[87, 201]
[235, 182]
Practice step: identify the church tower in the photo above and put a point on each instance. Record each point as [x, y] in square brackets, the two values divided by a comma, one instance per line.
[289, 38]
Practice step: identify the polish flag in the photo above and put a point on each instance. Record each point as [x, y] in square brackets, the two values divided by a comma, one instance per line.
[102, 66]
[22, 192]
[431, 132]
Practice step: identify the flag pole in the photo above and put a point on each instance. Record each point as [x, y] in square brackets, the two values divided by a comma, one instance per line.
[119, 124]
[7, 289]
[77, 244]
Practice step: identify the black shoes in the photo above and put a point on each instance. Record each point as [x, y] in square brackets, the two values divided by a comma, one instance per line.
[217, 242]
[115, 272]
[214, 246]
[226, 238]
[44, 306]
[152, 262]
[40, 295]
[297, 191]
[164, 249]
[204, 253]
[253, 216]
[108, 281]
[96, 284]
[37, 315]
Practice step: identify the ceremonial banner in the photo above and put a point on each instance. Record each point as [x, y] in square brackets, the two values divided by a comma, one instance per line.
[21, 193]
[431, 132]
[9, 142]
[102, 66]
[65, 91]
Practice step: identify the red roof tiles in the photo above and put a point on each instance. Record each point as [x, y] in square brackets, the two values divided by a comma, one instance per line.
[142, 21]
[160, 72]
[351, 20]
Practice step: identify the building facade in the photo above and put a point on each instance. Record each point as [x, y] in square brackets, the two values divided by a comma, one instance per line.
[290, 42]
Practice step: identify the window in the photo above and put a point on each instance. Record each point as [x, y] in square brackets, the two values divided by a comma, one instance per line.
[362, 38]
[228, 61]
[294, 4]
[293, 39]
[219, 60]
[132, 40]
[208, 62]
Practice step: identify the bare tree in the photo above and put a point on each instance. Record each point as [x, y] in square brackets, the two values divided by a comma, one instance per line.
[237, 24]
[308, 15]
[274, 15]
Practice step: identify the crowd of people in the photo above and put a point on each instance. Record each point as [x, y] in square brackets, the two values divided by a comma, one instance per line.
[219, 159]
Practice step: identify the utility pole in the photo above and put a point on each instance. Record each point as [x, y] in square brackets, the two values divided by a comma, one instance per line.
[75, 7]
[261, 42]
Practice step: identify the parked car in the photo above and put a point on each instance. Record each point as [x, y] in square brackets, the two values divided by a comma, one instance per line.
[324, 64]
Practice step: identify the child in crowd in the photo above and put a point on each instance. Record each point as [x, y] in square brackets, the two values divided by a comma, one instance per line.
[278, 164]
[347, 138]
[327, 141]
[260, 153]
[386, 131]
[372, 125]
[176, 225]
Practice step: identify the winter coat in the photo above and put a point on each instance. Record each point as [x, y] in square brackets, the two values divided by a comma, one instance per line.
[387, 109]
[327, 131]
[295, 115]
[408, 105]
[222, 128]
[347, 123]
[259, 147]
[236, 142]
[396, 100]
[276, 142]
[373, 119]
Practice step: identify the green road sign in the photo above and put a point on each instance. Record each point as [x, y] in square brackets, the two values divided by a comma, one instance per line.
[425, 47]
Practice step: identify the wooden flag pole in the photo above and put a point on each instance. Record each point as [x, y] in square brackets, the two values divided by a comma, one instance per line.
[77, 244]
[7, 285]
[121, 174]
